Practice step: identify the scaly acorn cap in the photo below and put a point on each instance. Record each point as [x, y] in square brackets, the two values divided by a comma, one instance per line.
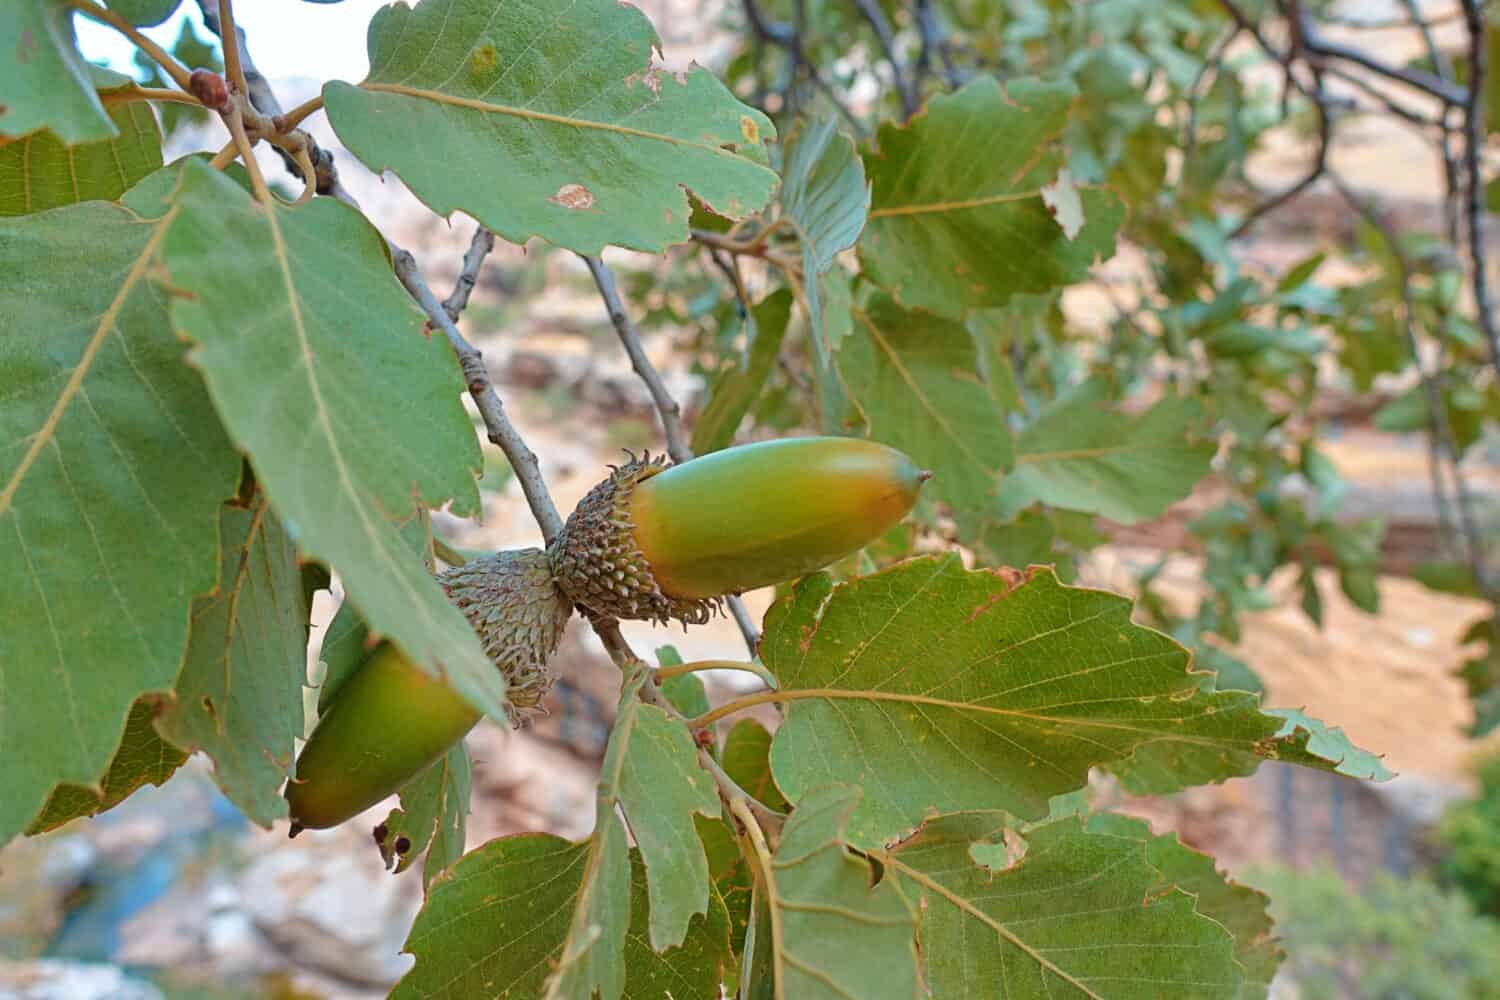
[597, 563]
[513, 603]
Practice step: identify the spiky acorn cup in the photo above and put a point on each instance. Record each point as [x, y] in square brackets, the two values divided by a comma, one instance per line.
[512, 601]
[597, 562]
[657, 541]
[391, 719]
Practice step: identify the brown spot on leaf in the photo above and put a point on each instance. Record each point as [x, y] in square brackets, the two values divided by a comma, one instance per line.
[403, 844]
[27, 45]
[749, 129]
[574, 196]
[380, 833]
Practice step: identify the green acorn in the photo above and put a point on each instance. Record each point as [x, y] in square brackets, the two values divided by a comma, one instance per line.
[391, 719]
[656, 541]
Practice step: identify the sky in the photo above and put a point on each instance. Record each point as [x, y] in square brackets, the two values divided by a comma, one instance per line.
[285, 37]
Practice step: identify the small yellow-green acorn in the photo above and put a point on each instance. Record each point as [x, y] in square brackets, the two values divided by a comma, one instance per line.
[391, 719]
[655, 541]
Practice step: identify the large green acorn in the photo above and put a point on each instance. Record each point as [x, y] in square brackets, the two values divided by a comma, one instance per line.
[659, 541]
[391, 719]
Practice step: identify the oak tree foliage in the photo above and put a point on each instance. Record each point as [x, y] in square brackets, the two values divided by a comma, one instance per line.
[213, 391]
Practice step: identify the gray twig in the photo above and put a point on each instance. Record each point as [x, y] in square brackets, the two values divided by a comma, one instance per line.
[479, 248]
[667, 408]
[477, 377]
[1386, 102]
[1417, 79]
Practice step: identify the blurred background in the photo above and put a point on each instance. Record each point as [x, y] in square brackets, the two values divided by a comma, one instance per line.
[1388, 890]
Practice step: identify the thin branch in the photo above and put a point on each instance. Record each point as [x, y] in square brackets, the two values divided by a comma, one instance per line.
[1386, 102]
[286, 138]
[789, 39]
[257, 87]
[479, 248]
[235, 120]
[161, 56]
[1474, 139]
[230, 43]
[667, 408]
[608, 631]
[695, 666]
[1452, 226]
[301, 112]
[736, 705]
[1416, 79]
[887, 39]
[1441, 64]
[749, 631]
[1414, 18]
[730, 791]
[1252, 28]
[759, 246]
[225, 156]
[729, 265]
[163, 94]
[934, 38]
[1318, 168]
[309, 175]
[1440, 432]
[523, 460]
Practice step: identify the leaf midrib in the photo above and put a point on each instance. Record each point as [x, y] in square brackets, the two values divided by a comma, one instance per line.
[531, 114]
[111, 314]
[831, 694]
[935, 207]
[906, 376]
[922, 879]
